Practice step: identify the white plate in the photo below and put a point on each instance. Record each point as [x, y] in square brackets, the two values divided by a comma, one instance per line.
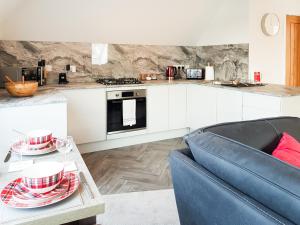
[7, 198]
[38, 146]
[50, 148]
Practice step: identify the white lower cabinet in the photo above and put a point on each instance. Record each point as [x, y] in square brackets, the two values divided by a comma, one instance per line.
[201, 106]
[251, 113]
[257, 106]
[25, 118]
[229, 106]
[177, 107]
[86, 114]
[157, 108]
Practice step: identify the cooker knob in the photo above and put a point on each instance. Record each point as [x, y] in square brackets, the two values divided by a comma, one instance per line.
[117, 95]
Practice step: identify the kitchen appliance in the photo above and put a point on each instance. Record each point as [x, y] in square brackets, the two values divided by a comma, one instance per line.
[29, 73]
[118, 81]
[194, 74]
[14, 73]
[116, 102]
[171, 72]
[40, 73]
[62, 78]
[209, 72]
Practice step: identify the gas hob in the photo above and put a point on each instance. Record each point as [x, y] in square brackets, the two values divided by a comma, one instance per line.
[118, 81]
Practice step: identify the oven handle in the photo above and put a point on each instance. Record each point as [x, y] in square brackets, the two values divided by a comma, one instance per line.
[121, 100]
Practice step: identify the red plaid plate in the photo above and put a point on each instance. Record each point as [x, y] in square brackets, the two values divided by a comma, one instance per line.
[7, 196]
[22, 194]
[16, 148]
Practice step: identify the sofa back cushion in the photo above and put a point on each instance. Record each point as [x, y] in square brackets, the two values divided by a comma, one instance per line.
[263, 134]
[266, 179]
[290, 125]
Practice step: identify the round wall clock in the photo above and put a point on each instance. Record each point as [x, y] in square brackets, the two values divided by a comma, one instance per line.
[270, 24]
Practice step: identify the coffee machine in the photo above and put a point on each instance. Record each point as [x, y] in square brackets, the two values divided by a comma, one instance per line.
[41, 73]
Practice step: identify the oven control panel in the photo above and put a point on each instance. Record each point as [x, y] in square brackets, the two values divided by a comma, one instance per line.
[126, 94]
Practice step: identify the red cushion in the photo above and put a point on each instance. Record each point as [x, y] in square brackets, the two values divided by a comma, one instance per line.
[288, 150]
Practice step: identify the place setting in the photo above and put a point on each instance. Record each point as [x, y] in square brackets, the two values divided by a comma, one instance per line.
[40, 183]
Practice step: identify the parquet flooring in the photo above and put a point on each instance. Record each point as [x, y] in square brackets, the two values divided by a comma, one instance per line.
[142, 167]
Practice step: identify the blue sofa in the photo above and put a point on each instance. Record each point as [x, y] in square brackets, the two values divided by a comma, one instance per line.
[227, 175]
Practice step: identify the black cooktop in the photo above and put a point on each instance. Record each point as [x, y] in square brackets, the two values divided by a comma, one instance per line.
[118, 81]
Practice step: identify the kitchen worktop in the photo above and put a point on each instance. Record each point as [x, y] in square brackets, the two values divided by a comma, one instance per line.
[50, 93]
[41, 97]
[269, 89]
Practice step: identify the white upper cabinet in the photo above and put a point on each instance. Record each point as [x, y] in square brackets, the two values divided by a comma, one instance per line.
[177, 107]
[157, 108]
[86, 115]
[229, 106]
[201, 106]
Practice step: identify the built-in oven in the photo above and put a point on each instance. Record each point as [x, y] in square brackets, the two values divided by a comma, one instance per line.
[126, 110]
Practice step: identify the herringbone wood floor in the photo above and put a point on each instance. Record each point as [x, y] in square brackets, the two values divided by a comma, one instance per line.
[141, 167]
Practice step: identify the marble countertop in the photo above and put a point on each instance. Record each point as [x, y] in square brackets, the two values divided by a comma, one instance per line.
[269, 89]
[51, 93]
[41, 97]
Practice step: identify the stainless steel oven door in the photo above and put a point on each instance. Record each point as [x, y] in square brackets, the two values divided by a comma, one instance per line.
[115, 111]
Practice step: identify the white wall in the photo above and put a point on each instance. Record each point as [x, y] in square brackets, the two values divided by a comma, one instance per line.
[164, 22]
[267, 54]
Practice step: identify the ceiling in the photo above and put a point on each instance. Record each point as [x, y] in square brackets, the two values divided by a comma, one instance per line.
[167, 22]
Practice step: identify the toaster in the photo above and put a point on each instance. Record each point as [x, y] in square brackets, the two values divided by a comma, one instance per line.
[195, 74]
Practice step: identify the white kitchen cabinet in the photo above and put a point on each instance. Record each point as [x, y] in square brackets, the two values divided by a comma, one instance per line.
[177, 107]
[25, 118]
[86, 114]
[290, 106]
[229, 106]
[157, 108]
[257, 106]
[201, 106]
[251, 113]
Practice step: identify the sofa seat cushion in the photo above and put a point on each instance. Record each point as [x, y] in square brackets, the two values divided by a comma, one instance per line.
[288, 150]
[266, 179]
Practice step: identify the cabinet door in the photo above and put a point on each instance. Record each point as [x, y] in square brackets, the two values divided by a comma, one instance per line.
[229, 106]
[25, 118]
[201, 106]
[258, 106]
[86, 115]
[157, 108]
[177, 107]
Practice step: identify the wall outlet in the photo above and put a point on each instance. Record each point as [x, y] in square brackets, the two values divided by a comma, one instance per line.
[179, 66]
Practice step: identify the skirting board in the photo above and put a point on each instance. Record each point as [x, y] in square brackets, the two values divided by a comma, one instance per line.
[139, 139]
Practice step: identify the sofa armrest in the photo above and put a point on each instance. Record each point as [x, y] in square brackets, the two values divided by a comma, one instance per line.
[202, 198]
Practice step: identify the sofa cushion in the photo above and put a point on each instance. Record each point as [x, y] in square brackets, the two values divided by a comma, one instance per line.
[290, 125]
[288, 150]
[258, 134]
[268, 180]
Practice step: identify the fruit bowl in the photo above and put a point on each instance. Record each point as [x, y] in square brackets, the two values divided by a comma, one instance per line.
[21, 89]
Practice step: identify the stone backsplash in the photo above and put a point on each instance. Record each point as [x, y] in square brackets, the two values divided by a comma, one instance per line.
[230, 61]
